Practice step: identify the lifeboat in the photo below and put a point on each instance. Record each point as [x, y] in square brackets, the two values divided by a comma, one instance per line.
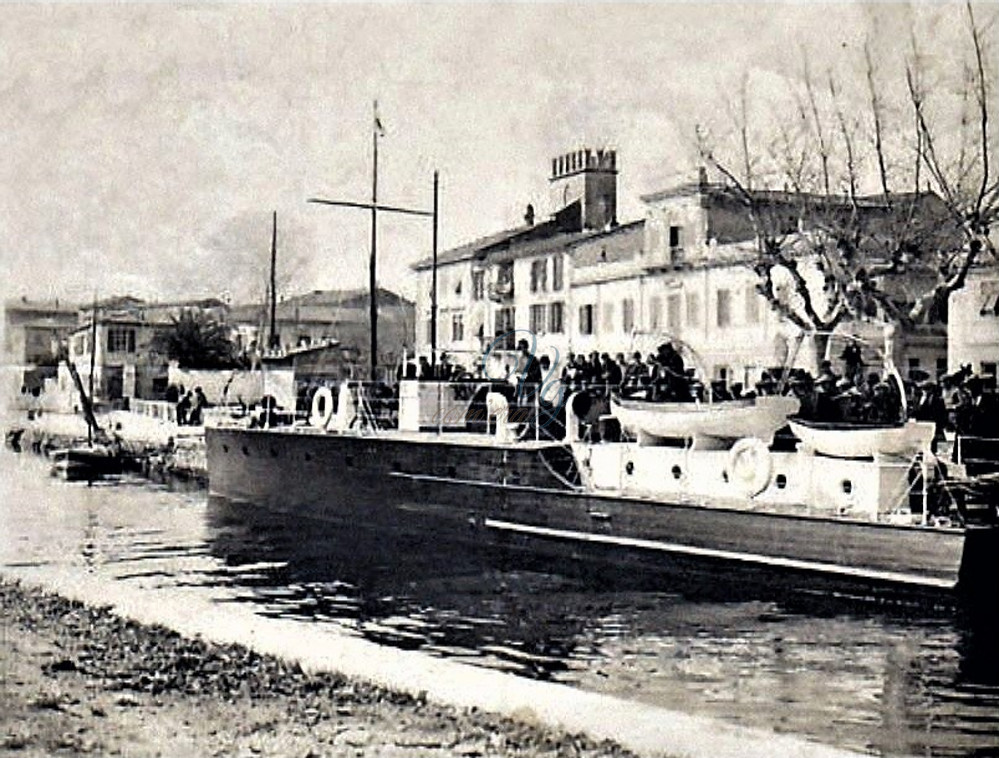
[852, 440]
[710, 425]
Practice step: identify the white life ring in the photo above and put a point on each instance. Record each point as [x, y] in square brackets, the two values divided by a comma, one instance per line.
[750, 466]
[322, 408]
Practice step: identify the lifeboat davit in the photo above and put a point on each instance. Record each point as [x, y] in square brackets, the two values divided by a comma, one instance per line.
[846, 440]
[709, 425]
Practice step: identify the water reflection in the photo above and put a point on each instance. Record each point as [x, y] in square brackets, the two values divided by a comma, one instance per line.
[886, 681]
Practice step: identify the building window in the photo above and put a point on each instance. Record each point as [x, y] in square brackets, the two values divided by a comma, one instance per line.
[675, 237]
[539, 276]
[627, 315]
[655, 306]
[693, 309]
[913, 365]
[989, 375]
[478, 285]
[723, 303]
[752, 306]
[558, 273]
[457, 327]
[673, 312]
[121, 340]
[537, 318]
[941, 367]
[586, 319]
[505, 321]
[607, 324]
[555, 325]
[990, 306]
[502, 288]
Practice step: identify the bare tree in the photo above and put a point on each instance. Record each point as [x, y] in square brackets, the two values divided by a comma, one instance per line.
[824, 251]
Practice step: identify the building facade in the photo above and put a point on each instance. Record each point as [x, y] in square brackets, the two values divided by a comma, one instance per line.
[126, 358]
[35, 331]
[580, 282]
[330, 316]
[973, 324]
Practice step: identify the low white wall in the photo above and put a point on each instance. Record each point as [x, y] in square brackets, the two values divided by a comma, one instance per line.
[248, 385]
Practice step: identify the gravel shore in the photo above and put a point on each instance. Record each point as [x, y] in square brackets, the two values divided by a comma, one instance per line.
[78, 680]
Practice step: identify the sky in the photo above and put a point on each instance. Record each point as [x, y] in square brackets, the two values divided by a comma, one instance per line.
[143, 147]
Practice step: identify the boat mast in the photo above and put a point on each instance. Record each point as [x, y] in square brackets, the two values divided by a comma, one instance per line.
[372, 263]
[273, 342]
[433, 286]
[374, 207]
[93, 363]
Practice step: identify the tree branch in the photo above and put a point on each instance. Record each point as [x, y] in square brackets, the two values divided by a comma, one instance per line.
[878, 127]
[982, 95]
[819, 131]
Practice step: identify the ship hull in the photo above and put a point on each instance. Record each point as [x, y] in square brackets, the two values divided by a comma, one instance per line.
[523, 495]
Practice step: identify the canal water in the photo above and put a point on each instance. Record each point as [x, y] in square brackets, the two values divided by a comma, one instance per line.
[879, 680]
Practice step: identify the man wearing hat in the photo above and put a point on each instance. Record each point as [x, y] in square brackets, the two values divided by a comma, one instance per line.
[672, 372]
[826, 408]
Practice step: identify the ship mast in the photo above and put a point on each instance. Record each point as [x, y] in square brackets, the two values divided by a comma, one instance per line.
[376, 128]
[374, 207]
[90, 379]
[274, 342]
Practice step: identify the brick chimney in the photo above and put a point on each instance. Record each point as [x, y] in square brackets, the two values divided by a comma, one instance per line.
[587, 177]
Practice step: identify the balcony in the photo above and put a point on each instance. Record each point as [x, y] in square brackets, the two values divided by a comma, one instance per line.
[501, 287]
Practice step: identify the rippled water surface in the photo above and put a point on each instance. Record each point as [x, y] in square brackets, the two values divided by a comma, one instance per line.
[922, 682]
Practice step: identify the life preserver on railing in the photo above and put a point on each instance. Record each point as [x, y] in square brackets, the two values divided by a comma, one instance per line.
[750, 466]
[322, 408]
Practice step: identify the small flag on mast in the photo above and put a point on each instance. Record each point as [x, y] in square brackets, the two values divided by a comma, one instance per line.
[379, 129]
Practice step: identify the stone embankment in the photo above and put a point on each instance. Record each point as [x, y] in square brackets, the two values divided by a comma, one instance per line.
[79, 680]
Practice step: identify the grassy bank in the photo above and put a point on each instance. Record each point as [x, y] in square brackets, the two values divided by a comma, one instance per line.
[81, 680]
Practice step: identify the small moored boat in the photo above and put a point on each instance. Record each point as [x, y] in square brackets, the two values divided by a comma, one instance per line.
[85, 463]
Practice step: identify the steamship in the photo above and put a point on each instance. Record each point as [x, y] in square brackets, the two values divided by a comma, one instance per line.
[687, 487]
[851, 521]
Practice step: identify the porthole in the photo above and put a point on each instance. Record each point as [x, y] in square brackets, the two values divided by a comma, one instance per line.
[629, 468]
[274, 453]
[847, 486]
[724, 476]
[780, 481]
[246, 451]
[225, 448]
[349, 461]
[308, 456]
[677, 472]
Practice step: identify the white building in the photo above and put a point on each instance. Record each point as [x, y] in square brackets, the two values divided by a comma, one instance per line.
[973, 324]
[580, 282]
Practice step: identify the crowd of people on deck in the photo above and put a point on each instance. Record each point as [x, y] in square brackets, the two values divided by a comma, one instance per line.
[959, 402]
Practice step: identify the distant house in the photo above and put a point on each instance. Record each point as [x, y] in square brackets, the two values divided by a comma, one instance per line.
[35, 330]
[34, 338]
[126, 362]
[324, 316]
